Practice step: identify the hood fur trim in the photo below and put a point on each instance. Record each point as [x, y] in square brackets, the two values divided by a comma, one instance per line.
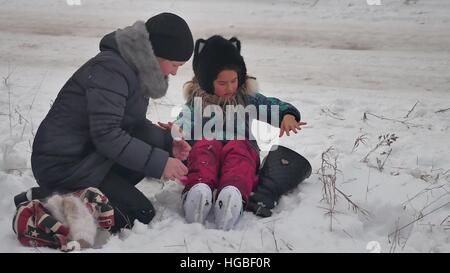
[135, 47]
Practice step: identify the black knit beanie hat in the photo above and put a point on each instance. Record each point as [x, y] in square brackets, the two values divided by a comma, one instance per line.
[170, 37]
[215, 54]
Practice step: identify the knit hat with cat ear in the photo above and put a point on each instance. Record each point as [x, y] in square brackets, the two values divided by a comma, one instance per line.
[214, 55]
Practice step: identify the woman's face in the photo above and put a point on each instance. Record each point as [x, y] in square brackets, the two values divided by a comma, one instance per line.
[226, 84]
[169, 67]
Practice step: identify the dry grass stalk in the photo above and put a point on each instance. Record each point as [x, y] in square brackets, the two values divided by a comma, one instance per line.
[404, 122]
[7, 85]
[328, 175]
[380, 164]
[442, 110]
[331, 114]
[412, 109]
[383, 140]
[421, 216]
[361, 139]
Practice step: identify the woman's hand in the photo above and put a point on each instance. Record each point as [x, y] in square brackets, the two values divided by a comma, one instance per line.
[175, 130]
[290, 124]
[174, 169]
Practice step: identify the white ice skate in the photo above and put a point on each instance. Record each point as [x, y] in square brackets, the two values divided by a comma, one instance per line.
[228, 208]
[197, 203]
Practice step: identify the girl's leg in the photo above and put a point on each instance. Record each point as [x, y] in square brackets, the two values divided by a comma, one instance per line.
[240, 161]
[239, 164]
[203, 163]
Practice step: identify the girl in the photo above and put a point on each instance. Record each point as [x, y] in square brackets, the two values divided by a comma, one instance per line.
[227, 165]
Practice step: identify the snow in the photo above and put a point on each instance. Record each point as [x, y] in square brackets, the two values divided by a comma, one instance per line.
[334, 60]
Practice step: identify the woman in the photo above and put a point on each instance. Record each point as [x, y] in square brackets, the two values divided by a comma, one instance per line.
[96, 133]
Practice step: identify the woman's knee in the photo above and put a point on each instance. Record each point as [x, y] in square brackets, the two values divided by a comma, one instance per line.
[144, 213]
[125, 215]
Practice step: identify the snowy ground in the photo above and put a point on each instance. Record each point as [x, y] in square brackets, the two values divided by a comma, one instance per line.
[334, 60]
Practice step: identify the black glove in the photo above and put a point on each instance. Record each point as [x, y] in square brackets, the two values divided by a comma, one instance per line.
[282, 170]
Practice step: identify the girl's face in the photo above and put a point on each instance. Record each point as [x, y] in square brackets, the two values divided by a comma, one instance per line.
[226, 83]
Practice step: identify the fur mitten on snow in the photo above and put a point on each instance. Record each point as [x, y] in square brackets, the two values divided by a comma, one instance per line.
[282, 170]
[72, 213]
[68, 222]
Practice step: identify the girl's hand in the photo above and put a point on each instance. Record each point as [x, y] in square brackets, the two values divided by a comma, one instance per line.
[181, 149]
[290, 124]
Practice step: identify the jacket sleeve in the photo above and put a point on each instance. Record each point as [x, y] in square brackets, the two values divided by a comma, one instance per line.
[106, 96]
[265, 113]
[154, 136]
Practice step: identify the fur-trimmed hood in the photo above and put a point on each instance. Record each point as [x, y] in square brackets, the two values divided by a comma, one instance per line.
[192, 89]
[135, 48]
